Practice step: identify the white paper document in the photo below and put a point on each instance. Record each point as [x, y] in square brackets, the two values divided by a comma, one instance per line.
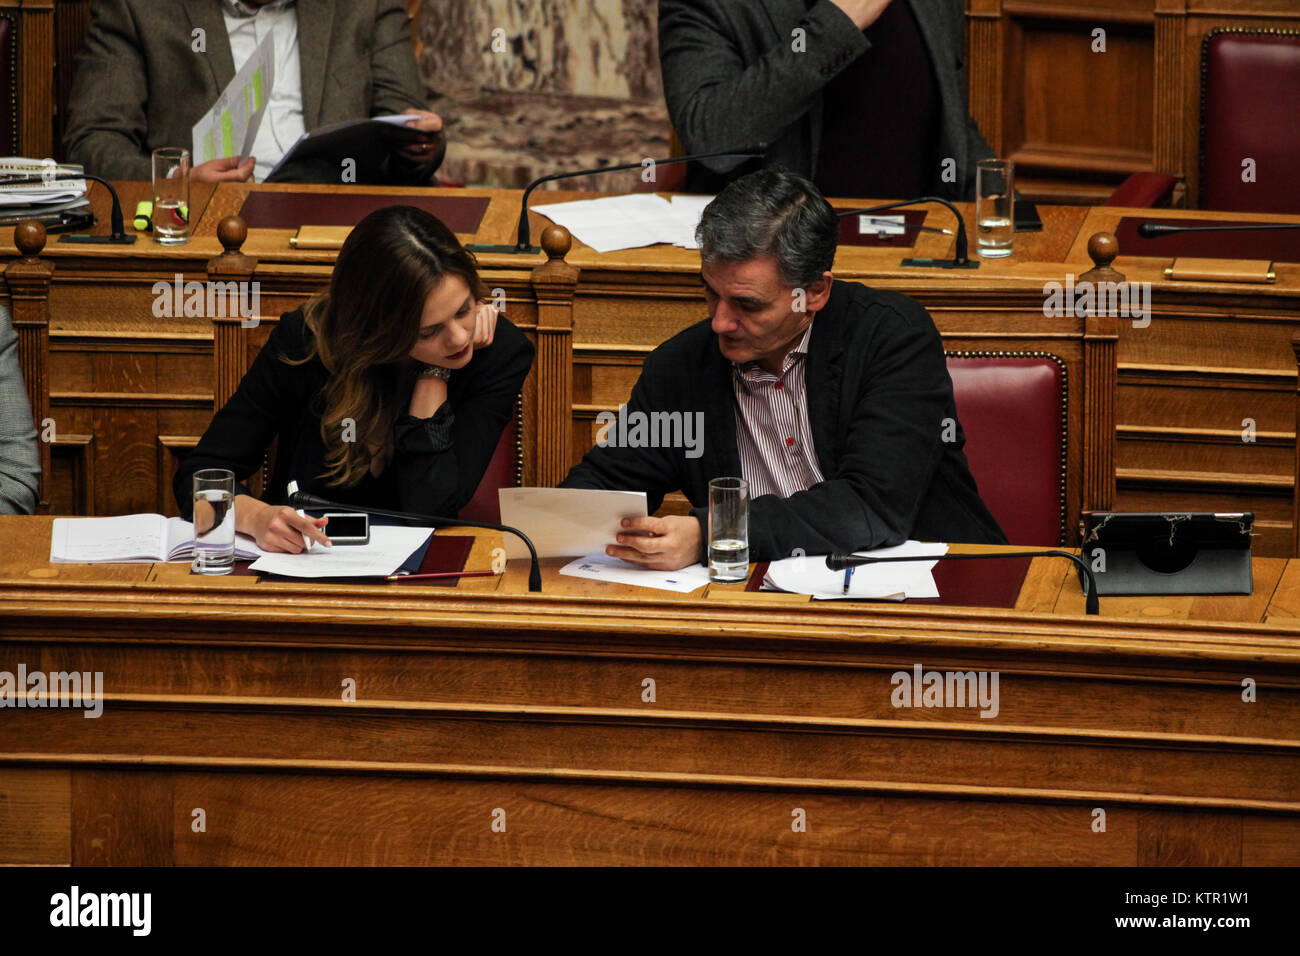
[387, 551]
[629, 222]
[601, 567]
[566, 522]
[131, 539]
[230, 127]
[905, 579]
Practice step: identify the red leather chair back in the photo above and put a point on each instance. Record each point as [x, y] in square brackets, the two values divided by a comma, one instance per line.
[502, 472]
[1250, 108]
[1012, 410]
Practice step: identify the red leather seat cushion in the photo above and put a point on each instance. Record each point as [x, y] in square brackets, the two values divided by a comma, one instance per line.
[501, 473]
[1012, 412]
[1251, 110]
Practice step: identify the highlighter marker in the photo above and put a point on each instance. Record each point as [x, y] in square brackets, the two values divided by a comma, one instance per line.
[143, 221]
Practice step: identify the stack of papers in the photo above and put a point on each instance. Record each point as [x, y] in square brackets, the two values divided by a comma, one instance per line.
[879, 582]
[630, 222]
[28, 189]
[131, 539]
[565, 522]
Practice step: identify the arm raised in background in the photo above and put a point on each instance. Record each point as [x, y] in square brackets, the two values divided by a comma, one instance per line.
[717, 100]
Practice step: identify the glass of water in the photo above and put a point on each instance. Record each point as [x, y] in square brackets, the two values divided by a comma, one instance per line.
[728, 530]
[171, 196]
[214, 521]
[995, 219]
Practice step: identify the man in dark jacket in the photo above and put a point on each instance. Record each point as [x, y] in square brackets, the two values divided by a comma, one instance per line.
[830, 398]
[867, 98]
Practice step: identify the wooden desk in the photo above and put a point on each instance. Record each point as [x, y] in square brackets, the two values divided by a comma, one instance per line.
[225, 695]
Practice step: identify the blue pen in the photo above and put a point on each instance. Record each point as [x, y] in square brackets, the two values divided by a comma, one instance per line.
[848, 575]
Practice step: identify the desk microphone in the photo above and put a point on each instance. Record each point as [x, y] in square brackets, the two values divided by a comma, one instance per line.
[301, 499]
[522, 236]
[960, 259]
[119, 236]
[839, 562]
[1152, 230]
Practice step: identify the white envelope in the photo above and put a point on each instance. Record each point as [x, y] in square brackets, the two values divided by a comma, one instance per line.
[567, 522]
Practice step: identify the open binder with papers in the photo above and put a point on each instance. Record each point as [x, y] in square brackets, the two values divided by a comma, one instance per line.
[131, 539]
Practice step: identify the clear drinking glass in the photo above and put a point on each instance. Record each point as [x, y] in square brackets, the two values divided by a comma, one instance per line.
[995, 214]
[728, 530]
[214, 521]
[171, 195]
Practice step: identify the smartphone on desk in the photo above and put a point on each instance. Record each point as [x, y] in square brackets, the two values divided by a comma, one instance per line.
[347, 527]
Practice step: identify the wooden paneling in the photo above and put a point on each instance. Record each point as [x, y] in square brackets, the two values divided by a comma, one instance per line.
[35, 818]
[1077, 121]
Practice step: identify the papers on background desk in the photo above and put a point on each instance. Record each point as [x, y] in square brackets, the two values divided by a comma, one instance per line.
[388, 549]
[22, 186]
[888, 582]
[631, 221]
[601, 567]
[564, 522]
[233, 121]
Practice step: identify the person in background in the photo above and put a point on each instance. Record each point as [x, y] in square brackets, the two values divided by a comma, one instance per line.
[831, 399]
[149, 71]
[867, 98]
[20, 459]
[391, 389]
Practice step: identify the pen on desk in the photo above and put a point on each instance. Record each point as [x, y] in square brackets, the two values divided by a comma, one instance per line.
[848, 574]
[439, 574]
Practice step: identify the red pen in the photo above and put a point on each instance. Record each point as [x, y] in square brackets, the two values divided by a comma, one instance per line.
[440, 574]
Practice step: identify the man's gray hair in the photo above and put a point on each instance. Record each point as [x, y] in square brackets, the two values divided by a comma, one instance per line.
[772, 212]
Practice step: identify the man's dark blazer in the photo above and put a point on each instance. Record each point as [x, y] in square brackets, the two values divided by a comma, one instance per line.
[878, 393]
[438, 461]
[731, 78]
[139, 85]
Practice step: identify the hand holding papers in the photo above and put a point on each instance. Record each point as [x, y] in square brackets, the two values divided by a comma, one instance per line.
[564, 522]
[892, 582]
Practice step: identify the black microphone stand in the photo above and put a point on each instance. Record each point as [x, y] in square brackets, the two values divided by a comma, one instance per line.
[523, 246]
[960, 259]
[116, 222]
[838, 562]
[300, 499]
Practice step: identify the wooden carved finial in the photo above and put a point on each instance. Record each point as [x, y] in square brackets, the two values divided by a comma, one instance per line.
[1103, 247]
[231, 232]
[29, 237]
[556, 242]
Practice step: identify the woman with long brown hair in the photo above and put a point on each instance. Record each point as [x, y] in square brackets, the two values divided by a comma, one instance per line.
[389, 390]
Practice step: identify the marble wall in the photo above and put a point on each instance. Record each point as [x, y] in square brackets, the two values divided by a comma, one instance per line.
[529, 87]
